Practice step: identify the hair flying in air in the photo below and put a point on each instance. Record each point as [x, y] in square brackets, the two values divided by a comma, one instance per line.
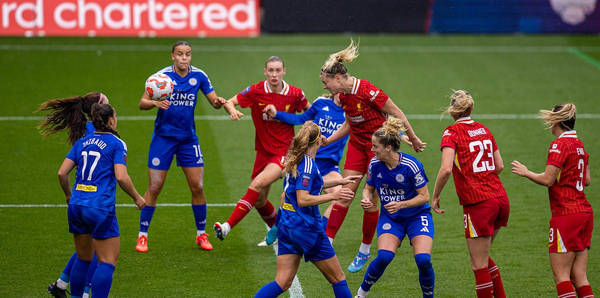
[561, 114]
[307, 136]
[334, 64]
[389, 133]
[461, 104]
[101, 113]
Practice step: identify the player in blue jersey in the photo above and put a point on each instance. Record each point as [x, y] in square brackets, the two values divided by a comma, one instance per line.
[100, 162]
[300, 228]
[401, 186]
[74, 115]
[175, 134]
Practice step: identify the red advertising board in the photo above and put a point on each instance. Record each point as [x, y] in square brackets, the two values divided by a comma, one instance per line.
[130, 17]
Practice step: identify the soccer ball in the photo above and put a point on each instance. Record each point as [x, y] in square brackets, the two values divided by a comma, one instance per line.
[159, 86]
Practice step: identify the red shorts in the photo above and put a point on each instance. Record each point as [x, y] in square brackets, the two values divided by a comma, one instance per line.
[483, 218]
[357, 158]
[263, 159]
[571, 232]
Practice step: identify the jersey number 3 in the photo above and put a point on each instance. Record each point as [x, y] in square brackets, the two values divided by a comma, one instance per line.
[482, 147]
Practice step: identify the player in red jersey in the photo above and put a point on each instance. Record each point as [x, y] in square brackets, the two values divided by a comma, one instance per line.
[567, 174]
[271, 143]
[366, 108]
[470, 154]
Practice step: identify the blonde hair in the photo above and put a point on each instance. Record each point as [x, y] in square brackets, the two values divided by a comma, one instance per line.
[461, 104]
[389, 133]
[562, 114]
[334, 64]
[307, 136]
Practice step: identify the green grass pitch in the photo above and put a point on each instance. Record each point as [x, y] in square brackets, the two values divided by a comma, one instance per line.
[506, 75]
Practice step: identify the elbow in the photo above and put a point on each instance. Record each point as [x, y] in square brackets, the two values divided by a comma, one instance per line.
[302, 203]
[499, 168]
[445, 172]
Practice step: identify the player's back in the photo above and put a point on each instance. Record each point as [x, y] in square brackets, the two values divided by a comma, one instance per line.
[474, 170]
[308, 178]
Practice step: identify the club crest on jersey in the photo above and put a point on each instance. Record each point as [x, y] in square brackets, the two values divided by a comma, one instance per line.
[386, 226]
[400, 178]
[155, 161]
[358, 107]
[193, 81]
[305, 181]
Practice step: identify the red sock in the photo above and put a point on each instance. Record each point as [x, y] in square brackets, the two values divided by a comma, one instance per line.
[565, 289]
[336, 218]
[496, 279]
[585, 292]
[268, 213]
[243, 207]
[483, 283]
[369, 226]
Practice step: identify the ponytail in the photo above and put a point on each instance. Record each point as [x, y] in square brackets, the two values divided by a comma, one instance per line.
[461, 104]
[334, 64]
[389, 133]
[562, 114]
[307, 136]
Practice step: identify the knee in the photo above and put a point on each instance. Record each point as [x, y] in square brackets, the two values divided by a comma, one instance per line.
[197, 188]
[154, 187]
[258, 184]
[423, 261]
[284, 284]
[384, 258]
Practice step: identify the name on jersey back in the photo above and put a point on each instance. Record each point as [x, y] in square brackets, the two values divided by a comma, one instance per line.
[94, 141]
[476, 132]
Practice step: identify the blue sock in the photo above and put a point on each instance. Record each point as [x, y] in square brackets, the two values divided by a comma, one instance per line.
[426, 274]
[66, 274]
[376, 268]
[90, 274]
[324, 220]
[200, 216]
[78, 273]
[146, 218]
[102, 279]
[340, 289]
[271, 289]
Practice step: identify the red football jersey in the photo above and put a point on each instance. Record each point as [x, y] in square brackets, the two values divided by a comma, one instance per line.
[474, 170]
[363, 111]
[566, 195]
[272, 136]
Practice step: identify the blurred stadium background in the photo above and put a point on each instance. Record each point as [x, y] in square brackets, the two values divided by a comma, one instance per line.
[515, 56]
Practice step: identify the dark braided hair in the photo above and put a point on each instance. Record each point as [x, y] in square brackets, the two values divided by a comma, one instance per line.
[180, 43]
[69, 113]
[101, 113]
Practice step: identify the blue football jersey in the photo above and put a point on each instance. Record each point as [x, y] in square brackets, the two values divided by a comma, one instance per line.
[398, 184]
[89, 128]
[178, 120]
[308, 178]
[329, 117]
[95, 156]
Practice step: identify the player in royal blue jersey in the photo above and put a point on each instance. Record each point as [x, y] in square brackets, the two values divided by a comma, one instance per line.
[100, 162]
[401, 186]
[175, 134]
[300, 227]
[74, 115]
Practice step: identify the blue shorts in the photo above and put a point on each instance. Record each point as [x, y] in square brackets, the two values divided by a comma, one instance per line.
[327, 165]
[419, 224]
[162, 150]
[99, 223]
[314, 245]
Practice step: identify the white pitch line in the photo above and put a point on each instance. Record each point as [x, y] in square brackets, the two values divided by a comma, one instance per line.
[417, 49]
[118, 205]
[225, 117]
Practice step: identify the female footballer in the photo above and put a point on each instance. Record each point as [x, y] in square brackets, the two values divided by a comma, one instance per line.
[365, 106]
[300, 229]
[470, 154]
[271, 143]
[100, 161]
[175, 134]
[566, 175]
[74, 115]
[401, 184]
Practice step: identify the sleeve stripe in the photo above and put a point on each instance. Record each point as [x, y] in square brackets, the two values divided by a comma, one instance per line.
[411, 164]
[308, 164]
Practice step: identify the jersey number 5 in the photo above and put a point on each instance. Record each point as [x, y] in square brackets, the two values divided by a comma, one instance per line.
[482, 147]
[94, 164]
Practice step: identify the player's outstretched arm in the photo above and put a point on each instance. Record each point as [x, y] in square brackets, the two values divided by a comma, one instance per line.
[392, 109]
[127, 185]
[306, 199]
[343, 131]
[229, 107]
[546, 178]
[215, 101]
[368, 199]
[63, 177]
[332, 182]
[146, 103]
[442, 178]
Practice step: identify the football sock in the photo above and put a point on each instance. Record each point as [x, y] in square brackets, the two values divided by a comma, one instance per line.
[102, 280]
[483, 283]
[369, 226]
[146, 218]
[324, 220]
[268, 213]
[78, 274]
[336, 218]
[243, 207]
[376, 268]
[200, 216]
[271, 289]
[565, 289]
[496, 279]
[365, 248]
[585, 292]
[64, 276]
[90, 274]
[426, 274]
[340, 289]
